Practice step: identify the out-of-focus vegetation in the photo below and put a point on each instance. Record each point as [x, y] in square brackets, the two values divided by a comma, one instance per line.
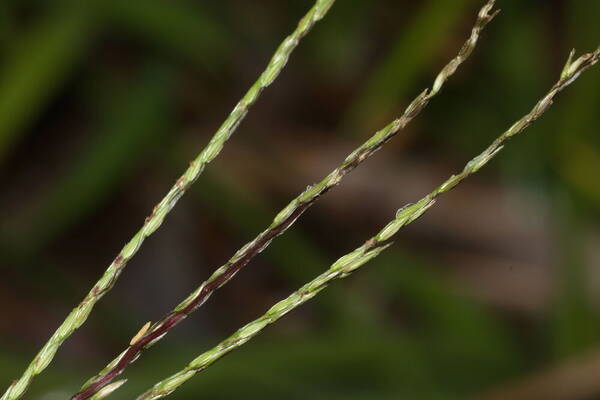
[102, 103]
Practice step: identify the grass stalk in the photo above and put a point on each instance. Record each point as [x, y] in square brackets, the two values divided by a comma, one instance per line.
[347, 264]
[80, 313]
[285, 218]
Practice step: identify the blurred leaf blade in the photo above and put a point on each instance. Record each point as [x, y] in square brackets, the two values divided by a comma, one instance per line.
[175, 26]
[413, 49]
[576, 156]
[456, 333]
[37, 67]
[135, 122]
[577, 148]
[574, 320]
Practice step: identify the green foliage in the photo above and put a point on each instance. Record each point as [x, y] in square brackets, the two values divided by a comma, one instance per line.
[402, 329]
[36, 67]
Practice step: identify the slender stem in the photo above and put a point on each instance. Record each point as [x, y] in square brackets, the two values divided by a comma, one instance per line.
[80, 313]
[284, 219]
[347, 264]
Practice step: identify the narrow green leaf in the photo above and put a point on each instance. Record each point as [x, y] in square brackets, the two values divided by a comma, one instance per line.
[414, 48]
[177, 27]
[136, 122]
[37, 67]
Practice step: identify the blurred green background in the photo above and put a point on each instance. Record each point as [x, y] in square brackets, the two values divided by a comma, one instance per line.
[492, 295]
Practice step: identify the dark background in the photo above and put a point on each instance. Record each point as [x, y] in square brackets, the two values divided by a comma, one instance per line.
[495, 292]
